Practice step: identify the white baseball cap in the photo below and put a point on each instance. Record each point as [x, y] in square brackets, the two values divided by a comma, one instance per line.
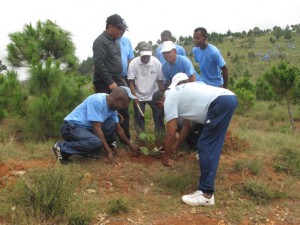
[167, 46]
[178, 78]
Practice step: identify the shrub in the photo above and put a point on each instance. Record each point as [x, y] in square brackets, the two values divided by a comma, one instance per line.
[44, 194]
[289, 161]
[117, 206]
[246, 100]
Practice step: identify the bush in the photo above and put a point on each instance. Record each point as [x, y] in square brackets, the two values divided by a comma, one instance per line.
[44, 193]
[246, 100]
[117, 206]
[289, 161]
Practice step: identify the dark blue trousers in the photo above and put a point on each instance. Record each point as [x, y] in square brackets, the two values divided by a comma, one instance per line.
[158, 117]
[82, 141]
[211, 140]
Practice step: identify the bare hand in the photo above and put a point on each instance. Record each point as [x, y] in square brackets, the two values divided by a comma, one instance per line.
[167, 161]
[134, 147]
[111, 159]
[112, 85]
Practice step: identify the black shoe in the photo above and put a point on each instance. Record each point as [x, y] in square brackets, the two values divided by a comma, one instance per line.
[59, 156]
[113, 145]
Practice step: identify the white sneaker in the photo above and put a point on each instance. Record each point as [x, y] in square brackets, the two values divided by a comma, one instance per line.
[197, 156]
[197, 198]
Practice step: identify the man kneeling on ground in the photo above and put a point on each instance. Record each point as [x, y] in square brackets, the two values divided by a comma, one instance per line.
[93, 124]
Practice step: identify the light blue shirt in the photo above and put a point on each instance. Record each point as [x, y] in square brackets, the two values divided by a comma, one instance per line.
[183, 64]
[179, 49]
[127, 53]
[93, 109]
[210, 61]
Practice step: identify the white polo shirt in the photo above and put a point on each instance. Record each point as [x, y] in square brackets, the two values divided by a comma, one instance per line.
[145, 77]
[191, 101]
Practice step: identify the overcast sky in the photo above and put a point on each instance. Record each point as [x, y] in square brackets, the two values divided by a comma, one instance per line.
[85, 19]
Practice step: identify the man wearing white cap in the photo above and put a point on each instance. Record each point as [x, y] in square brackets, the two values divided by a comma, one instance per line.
[166, 35]
[175, 64]
[145, 77]
[92, 125]
[201, 103]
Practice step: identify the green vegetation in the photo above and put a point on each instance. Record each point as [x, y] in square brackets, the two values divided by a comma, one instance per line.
[117, 206]
[288, 160]
[45, 194]
[245, 165]
[260, 193]
[259, 165]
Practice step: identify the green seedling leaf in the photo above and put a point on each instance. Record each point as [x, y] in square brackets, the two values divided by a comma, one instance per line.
[144, 150]
[143, 136]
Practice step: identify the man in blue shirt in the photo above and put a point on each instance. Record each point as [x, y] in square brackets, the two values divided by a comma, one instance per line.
[211, 62]
[175, 64]
[91, 126]
[166, 35]
[127, 54]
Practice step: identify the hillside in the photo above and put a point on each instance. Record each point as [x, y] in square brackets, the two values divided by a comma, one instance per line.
[256, 54]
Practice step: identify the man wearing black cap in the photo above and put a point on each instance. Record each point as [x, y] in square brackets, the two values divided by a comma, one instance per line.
[108, 62]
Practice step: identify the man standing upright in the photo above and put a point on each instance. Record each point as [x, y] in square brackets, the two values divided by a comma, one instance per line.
[108, 62]
[127, 54]
[145, 77]
[166, 35]
[175, 64]
[212, 65]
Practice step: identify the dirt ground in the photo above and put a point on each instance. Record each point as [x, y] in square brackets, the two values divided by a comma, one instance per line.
[10, 171]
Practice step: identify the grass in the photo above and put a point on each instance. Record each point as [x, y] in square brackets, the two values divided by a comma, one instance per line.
[246, 165]
[44, 194]
[117, 206]
[288, 161]
[253, 180]
[260, 193]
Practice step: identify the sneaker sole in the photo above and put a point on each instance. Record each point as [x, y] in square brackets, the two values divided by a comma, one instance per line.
[197, 204]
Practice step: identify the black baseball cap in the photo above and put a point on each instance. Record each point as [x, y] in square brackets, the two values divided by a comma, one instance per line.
[116, 20]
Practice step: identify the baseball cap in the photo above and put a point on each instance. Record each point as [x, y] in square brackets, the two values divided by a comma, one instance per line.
[178, 78]
[116, 20]
[145, 49]
[167, 46]
[130, 95]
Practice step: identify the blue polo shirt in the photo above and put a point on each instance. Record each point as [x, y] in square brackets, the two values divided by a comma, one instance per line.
[93, 109]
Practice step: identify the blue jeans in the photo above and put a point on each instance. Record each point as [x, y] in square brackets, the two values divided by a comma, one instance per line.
[83, 141]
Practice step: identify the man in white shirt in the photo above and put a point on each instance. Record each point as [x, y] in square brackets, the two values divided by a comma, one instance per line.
[199, 103]
[145, 77]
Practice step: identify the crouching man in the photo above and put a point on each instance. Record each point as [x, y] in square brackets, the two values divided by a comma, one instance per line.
[93, 125]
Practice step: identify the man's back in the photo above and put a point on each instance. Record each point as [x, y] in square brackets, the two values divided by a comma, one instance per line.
[191, 101]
